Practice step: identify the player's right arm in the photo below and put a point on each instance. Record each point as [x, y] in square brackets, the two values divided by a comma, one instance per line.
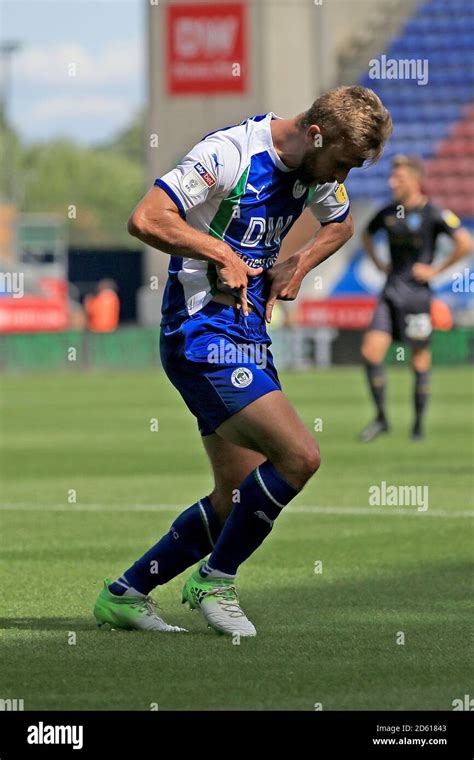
[368, 242]
[159, 219]
[156, 221]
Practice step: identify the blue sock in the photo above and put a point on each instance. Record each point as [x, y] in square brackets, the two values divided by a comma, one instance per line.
[263, 494]
[190, 538]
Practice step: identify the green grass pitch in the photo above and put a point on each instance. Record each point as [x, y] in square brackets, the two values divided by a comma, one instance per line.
[324, 638]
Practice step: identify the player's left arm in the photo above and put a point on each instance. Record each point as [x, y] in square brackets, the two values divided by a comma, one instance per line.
[331, 208]
[463, 243]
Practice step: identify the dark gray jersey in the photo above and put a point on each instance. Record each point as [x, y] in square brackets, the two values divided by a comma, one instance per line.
[412, 236]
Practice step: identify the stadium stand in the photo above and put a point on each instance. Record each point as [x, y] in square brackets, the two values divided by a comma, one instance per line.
[434, 120]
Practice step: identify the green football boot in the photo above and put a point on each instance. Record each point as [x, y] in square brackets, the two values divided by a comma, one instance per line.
[130, 613]
[218, 601]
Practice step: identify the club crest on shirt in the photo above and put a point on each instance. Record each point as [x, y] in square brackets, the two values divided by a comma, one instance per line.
[413, 222]
[241, 377]
[298, 189]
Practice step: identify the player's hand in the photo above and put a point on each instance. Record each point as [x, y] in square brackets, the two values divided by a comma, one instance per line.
[424, 272]
[233, 276]
[286, 281]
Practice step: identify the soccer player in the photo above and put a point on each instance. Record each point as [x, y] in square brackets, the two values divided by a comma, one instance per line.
[222, 215]
[412, 225]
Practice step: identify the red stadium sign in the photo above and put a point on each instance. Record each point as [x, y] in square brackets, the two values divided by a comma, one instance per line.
[33, 314]
[345, 313]
[206, 49]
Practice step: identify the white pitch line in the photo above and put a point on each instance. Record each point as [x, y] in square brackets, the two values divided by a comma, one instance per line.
[382, 511]
[356, 511]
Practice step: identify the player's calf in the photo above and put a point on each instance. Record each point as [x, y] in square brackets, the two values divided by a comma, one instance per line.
[191, 537]
[261, 498]
[421, 363]
[270, 426]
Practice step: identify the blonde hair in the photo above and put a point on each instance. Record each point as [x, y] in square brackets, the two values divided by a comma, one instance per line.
[352, 115]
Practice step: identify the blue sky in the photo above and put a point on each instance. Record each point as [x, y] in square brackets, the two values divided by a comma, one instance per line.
[103, 41]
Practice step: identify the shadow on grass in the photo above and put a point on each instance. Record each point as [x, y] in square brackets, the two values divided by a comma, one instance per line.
[47, 624]
[438, 588]
[317, 641]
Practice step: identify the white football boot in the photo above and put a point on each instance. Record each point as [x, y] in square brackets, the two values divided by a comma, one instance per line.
[218, 601]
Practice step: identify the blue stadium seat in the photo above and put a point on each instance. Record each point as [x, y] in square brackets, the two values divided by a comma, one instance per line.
[442, 32]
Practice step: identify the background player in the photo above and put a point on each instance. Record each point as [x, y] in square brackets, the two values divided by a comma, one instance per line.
[222, 214]
[412, 225]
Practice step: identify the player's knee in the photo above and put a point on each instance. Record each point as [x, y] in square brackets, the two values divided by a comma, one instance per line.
[421, 362]
[312, 459]
[365, 351]
[368, 353]
[304, 464]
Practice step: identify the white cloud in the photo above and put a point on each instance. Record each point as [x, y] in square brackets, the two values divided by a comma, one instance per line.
[116, 64]
[66, 108]
[90, 118]
[101, 98]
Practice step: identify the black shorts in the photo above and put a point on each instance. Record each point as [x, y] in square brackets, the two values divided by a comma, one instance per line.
[404, 313]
